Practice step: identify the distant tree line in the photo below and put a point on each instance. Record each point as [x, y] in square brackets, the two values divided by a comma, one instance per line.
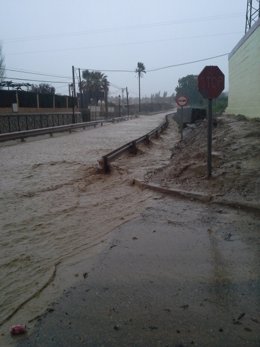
[42, 88]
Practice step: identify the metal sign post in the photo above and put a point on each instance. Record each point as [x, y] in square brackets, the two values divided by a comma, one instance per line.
[209, 137]
[181, 101]
[181, 123]
[211, 82]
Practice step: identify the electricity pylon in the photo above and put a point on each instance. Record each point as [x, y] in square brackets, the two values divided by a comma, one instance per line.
[252, 13]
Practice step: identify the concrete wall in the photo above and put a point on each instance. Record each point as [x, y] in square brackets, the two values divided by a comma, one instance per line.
[189, 115]
[244, 75]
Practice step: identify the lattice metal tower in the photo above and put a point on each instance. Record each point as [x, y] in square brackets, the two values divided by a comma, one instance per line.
[252, 13]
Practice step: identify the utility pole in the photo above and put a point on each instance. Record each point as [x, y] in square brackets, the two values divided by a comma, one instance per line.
[74, 94]
[139, 82]
[80, 91]
[119, 105]
[106, 100]
[122, 101]
[127, 101]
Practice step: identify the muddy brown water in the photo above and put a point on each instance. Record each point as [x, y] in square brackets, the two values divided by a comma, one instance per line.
[56, 210]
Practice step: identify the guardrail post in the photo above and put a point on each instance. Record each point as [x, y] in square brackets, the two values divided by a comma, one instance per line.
[133, 148]
[18, 123]
[106, 167]
[26, 122]
[147, 140]
[9, 124]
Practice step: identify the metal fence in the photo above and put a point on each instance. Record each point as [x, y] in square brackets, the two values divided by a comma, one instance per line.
[29, 121]
[23, 134]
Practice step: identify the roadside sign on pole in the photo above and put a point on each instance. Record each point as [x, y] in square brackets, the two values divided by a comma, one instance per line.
[181, 101]
[211, 83]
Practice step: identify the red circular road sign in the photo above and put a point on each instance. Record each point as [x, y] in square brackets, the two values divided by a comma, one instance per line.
[181, 100]
[211, 82]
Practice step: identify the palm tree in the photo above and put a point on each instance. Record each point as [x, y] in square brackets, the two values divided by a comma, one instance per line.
[140, 70]
[95, 86]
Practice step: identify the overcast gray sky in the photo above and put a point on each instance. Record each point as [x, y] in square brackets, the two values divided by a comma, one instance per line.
[49, 36]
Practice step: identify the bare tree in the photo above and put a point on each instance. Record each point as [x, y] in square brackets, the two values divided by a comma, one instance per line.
[2, 64]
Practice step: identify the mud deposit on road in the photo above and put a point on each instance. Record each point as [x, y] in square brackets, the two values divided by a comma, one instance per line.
[57, 210]
[180, 274]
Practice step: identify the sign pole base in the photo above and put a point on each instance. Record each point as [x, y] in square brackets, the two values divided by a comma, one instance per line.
[182, 123]
[209, 138]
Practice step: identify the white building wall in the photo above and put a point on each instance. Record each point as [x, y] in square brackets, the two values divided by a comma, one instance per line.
[244, 75]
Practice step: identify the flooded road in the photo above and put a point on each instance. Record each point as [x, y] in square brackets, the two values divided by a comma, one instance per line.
[110, 263]
[181, 273]
[56, 211]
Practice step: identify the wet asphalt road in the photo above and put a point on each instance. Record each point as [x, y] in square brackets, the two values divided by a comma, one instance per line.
[181, 274]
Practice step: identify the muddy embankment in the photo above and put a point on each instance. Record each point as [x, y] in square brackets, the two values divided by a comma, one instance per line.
[235, 161]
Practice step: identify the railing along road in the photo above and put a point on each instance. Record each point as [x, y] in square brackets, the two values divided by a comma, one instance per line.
[61, 128]
[131, 146]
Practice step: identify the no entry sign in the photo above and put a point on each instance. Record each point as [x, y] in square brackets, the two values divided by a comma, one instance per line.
[211, 82]
[181, 100]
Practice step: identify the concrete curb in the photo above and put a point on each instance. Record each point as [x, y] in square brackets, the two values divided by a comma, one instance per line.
[206, 198]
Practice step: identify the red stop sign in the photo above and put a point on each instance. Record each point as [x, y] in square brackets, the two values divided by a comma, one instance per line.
[211, 82]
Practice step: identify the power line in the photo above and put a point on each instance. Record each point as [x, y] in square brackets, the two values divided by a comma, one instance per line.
[106, 70]
[129, 27]
[33, 73]
[115, 86]
[164, 67]
[122, 44]
[188, 62]
[116, 70]
[43, 81]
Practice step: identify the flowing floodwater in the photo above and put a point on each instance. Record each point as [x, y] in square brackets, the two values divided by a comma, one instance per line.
[56, 210]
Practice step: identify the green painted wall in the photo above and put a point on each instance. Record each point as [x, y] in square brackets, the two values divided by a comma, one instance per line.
[244, 76]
